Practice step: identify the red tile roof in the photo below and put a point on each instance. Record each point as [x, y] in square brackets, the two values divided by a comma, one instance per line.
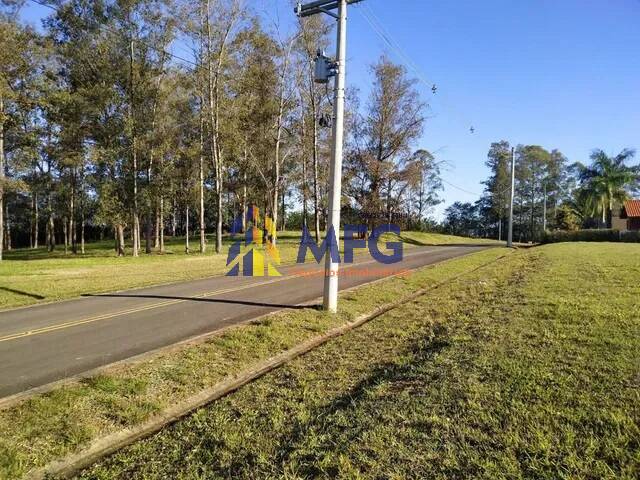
[632, 208]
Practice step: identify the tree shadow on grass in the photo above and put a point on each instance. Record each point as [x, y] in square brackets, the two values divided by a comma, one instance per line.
[25, 294]
[398, 376]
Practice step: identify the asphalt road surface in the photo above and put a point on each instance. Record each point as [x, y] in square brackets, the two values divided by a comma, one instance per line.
[46, 343]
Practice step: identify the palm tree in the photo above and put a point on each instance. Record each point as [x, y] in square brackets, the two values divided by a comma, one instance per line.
[607, 180]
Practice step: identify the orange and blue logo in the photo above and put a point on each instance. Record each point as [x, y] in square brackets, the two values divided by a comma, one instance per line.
[255, 255]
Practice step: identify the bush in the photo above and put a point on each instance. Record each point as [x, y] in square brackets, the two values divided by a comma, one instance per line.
[630, 237]
[591, 236]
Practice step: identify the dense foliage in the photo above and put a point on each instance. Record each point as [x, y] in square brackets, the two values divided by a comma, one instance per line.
[110, 129]
[551, 194]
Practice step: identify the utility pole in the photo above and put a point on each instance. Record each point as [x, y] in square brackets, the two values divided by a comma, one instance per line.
[544, 214]
[513, 188]
[324, 70]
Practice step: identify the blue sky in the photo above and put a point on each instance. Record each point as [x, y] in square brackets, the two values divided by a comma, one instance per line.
[558, 73]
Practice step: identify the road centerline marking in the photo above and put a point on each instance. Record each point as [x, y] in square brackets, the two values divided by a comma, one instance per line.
[108, 316]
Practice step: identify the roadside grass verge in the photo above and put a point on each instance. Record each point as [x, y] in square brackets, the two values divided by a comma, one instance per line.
[34, 276]
[50, 426]
[525, 369]
[426, 238]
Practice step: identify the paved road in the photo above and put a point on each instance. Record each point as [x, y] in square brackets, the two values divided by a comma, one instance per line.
[45, 343]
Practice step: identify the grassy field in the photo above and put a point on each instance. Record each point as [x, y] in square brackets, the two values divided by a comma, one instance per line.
[50, 426]
[35, 276]
[526, 369]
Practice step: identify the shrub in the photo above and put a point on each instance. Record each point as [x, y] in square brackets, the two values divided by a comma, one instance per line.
[591, 236]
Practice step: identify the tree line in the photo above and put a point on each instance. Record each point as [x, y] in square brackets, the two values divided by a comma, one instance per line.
[551, 193]
[137, 119]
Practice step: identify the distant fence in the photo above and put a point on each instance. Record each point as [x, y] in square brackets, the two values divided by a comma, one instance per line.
[607, 235]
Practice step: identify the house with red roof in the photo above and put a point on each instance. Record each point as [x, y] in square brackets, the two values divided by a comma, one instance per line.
[630, 215]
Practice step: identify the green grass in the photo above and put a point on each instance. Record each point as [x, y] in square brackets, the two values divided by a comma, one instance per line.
[425, 238]
[34, 276]
[526, 369]
[50, 426]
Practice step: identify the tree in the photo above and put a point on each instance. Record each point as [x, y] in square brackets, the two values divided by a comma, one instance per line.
[532, 162]
[313, 32]
[498, 185]
[382, 140]
[426, 184]
[461, 219]
[607, 180]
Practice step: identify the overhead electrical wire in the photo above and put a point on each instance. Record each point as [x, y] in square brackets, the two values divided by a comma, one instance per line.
[378, 27]
[370, 18]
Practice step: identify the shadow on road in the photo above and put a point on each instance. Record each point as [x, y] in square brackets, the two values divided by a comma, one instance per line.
[207, 300]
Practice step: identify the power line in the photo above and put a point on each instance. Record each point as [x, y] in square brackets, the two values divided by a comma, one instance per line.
[377, 26]
[461, 189]
[153, 47]
[479, 195]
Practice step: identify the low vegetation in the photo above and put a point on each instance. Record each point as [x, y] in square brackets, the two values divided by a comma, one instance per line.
[58, 423]
[603, 235]
[28, 276]
[525, 369]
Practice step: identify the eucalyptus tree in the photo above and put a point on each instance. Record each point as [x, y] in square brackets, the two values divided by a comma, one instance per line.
[20, 60]
[497, 186]
[384, 136]
[426, 185]
[314, 35]
[532, 164]
[219, 21]
[256, 90]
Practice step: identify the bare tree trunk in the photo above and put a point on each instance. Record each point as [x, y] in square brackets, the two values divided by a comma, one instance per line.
[203, 233]
[36, 221]
[82, 220]
[174, 219]
[279, 129]
[148, 217]
[284, 213]
[532, 219]
[82, 225]
[148, 229]
[31, 225]
[304, 174]
[1, 173]
[72, 214]
[161, 224]
[135, 228]
[51, 234]
[244, 194]
[276, 188]
[157, 232]
[119, 229]
[316, 186]
[186, 231]
[65, 231]
[214, 111]
[8, 227]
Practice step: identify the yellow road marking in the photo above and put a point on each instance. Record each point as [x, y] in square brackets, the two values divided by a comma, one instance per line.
[107, 316]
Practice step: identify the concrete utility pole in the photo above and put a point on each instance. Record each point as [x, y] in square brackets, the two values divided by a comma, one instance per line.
[513, 188]
[323, 71]
[544, 215]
